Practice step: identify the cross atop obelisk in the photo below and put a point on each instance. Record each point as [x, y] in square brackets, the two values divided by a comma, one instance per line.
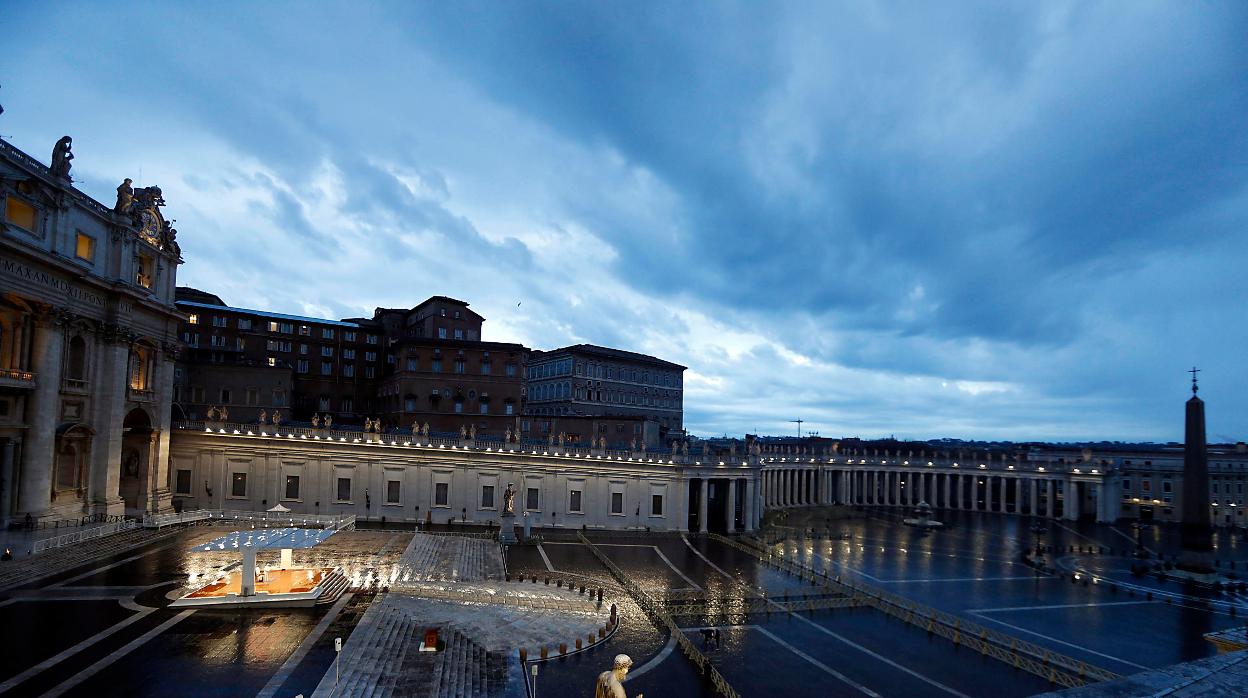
[1194, 371]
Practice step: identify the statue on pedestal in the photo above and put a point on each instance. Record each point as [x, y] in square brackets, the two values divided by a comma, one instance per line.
[424, 431]
[329, 421]
[316, 421]
[61, 155]
[610, 683]
[223, 414]
[277, 418]
[472, 432]
[125, 197]
[264, 417]
[509, 499]
[463, 433]
[507, 439]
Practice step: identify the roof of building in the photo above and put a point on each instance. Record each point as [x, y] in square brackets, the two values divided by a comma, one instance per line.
[265, 313]
[610, 353]
[186, 293]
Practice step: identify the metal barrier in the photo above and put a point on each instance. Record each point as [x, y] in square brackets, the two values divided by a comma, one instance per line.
[332, 521]
[661, 617]
[83, 535]
[1057, 668]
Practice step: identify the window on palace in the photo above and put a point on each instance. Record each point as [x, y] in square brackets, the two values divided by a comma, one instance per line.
[244, 323]
[1167, 486]
[411, 363]
[485, 408]
[459, 407]
[394, 488]
[441, 494]
[656, 505]
[348, 354]
[508, 408]
[344, 489]
[327, 333]
[327, 368]
[182, 482]
[226, 396]
[85, 247]
[192, 319]
[253, 396]
[574, 501]
[20, 213]
[279, 397]
[459, 365]
[292, 487]
[348, 371]
[348, 336]
[617, 502]
[145, 275]
[487, 496]
[238, 485]
[369, 371]
[485, 367]
[441, 333]
[532, 499]
[347, 404]
[436, 366]
[370, 356]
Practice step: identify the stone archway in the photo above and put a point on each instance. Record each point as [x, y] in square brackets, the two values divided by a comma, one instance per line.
[136, 447]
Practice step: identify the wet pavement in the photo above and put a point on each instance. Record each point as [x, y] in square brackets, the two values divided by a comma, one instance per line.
[103, 628]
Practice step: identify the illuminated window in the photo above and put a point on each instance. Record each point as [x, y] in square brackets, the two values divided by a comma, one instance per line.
[20, 213]
[85, 248]
[146, 271]
[193, 319]
[272, 361]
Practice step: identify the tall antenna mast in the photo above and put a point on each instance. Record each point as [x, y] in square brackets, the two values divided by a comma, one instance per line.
[799, 426]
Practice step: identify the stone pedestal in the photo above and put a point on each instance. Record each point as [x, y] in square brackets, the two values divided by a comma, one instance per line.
[507, 529]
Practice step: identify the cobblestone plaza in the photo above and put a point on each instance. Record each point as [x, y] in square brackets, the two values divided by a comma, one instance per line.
[97, 621]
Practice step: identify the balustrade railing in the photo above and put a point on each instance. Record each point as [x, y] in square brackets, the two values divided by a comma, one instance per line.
[403, 438]
[266, 518]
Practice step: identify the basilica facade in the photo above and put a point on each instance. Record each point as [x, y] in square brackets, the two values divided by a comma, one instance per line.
[88, 337]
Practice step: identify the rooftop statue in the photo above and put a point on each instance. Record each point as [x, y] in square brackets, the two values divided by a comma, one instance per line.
[125, 196]
[329, 421]
[61, 155]
[509, 499]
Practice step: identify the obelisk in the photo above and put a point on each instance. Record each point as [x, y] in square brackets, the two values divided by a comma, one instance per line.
[1196, 530]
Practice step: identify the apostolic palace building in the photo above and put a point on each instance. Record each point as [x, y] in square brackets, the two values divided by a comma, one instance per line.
[122, 394]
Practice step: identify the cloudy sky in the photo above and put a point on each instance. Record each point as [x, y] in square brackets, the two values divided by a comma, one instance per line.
[997, 220]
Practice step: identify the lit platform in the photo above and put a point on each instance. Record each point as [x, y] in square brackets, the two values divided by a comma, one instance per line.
[283, 588]
[288, 586]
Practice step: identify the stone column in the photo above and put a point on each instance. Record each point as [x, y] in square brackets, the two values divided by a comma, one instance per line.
[1004, 482]
[159, 496]
[945, 501]
[702, 506]
[1018, 495]
[6, 480]
[1073, 503]
[1034, 496]
[1049, 494]
[684, 519]
[38, 453]
[730, 511]
[110, 381]
[750, 524]
[988, 493]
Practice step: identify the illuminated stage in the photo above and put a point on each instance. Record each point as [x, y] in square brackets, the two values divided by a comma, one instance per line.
[288, 586]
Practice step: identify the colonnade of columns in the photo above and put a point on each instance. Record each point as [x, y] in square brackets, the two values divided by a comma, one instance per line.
[741, 501]
[1032, 494]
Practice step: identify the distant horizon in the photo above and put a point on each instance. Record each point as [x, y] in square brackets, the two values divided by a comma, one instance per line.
[1019, 222]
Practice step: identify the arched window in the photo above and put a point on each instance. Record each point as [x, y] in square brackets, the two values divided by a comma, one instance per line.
[140, 367]
[76, 368]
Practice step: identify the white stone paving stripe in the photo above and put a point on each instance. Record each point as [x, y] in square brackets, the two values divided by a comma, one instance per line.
[1056, 605]
[57, 659]
[1081, 648]
[816, 662]
[288, 667]
[965, 579]
[115, 655]
[658, 659]
[541, 551]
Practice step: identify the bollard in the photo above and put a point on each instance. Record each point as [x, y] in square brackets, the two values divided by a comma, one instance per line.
[563, 648]
[524, 654]
[548, 581]
[582, 591]
[559, 583]
[578, 644]
[602, 632]
[591, 638]
[545, 652]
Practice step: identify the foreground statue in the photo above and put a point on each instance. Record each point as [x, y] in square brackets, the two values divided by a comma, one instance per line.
[610, 683]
